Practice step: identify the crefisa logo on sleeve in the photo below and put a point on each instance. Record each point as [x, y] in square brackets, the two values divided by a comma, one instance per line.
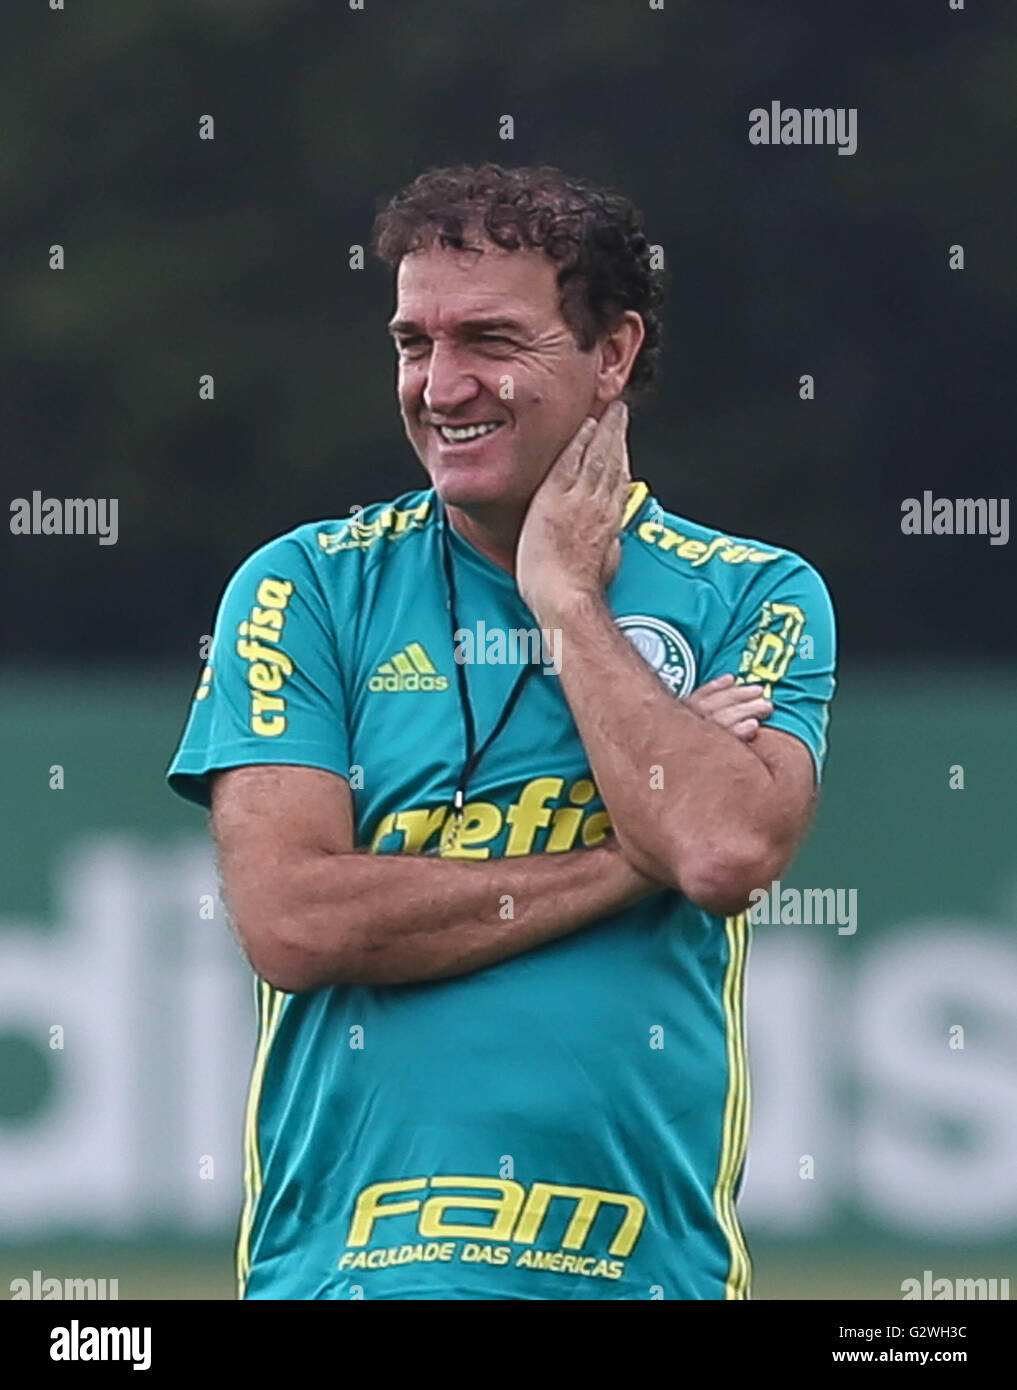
[664, 650]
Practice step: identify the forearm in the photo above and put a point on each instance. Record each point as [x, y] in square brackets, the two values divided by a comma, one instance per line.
[678, 787]
[394, 919]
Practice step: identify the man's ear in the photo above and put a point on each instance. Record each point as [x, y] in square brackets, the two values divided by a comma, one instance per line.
[618, 348]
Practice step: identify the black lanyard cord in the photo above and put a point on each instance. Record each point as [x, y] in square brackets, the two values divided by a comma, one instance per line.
[473, 754]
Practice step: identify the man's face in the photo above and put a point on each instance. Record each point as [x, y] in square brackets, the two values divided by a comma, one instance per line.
[481, 341]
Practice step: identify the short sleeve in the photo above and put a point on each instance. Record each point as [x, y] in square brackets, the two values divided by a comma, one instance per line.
[783, 637]
[272, 690]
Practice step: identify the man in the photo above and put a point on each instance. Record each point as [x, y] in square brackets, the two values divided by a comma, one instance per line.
[496, 906]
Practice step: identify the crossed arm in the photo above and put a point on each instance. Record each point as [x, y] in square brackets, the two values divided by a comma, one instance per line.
[702, 812]
[310, 910]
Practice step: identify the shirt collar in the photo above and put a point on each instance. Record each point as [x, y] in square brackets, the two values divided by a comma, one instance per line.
[638, 500]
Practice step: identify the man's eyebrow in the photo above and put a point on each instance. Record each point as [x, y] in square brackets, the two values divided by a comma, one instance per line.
[482, 325]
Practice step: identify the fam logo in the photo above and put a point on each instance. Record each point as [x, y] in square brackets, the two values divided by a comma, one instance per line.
[664, 650]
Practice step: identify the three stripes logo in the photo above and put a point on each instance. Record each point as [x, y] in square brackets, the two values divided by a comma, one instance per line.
[409, 669]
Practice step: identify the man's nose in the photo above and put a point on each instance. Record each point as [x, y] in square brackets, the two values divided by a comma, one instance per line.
[448, 385]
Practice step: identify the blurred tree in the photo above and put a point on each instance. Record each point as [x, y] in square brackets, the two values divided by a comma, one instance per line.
[231, 257]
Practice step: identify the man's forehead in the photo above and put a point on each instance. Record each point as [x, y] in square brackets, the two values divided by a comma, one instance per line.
[474, 284]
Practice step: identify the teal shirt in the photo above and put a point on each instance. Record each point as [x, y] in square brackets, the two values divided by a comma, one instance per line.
[570, 1123]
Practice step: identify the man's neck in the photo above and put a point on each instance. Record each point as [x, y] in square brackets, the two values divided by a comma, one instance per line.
[494, 537]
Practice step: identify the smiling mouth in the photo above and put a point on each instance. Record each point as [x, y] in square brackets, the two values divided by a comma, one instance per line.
[466, 434]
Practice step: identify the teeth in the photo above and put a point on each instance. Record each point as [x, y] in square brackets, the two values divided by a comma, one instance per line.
[457, 436]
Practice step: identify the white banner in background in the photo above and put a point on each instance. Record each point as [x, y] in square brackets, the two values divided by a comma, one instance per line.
[860, 1104]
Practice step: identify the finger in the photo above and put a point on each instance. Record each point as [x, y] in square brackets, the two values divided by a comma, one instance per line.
[718, 683]
[611, 563]
[607, 455]
[736, 700]
[746, 730]
[755, 688]
[705, 704]
[624, 463]
[725, 685]
[735, 694]
[611, 487]
[751, 709]
[567, 466]
[728, 718]
[622, 469]
[596, 452]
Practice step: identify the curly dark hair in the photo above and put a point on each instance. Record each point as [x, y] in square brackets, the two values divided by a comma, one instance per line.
[594, 234]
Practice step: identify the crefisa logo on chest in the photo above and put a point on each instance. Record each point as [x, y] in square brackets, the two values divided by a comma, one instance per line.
[664, 650]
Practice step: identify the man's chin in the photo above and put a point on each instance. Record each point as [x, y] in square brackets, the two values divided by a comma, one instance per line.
[477, 489]
[468, 497]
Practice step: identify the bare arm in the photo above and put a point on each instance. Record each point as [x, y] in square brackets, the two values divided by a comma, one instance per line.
[731, 815]
[727, 815]
[311, 911]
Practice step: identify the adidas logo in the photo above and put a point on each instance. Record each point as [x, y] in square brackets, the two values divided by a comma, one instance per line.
[410, 669]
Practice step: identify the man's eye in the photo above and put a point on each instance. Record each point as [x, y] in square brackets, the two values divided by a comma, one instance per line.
[408, 344]
[493, 338]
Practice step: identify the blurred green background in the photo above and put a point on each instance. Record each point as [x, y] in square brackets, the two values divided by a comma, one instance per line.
[107, 934]
[232, 256]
